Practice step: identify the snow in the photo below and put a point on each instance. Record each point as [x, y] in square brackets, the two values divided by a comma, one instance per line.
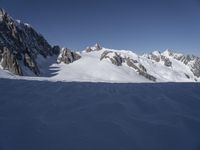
[5, 74]
[90, 69]
[57, 115]
[157, 53]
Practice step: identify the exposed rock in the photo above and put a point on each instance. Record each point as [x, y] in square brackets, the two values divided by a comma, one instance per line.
[187, 76]
[118, 60]
[155, 57]
[10, 62]
[96, 47]
[159, 57]
[67, 56]
[104, 55]
[17, 37]
[148, 76]
[130, 63]
[192, 61]
[88, 49]
[29, 62]
[185, 59]
[196, 67]
[141, 69]
[166, 60]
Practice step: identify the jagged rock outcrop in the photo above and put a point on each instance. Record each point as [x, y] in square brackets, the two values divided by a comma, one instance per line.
[67, 56]
[96, 47]
[140, 69]
[118, 60]
[157, 57]
[193, 62]
[195, 67]
[9, 61]
[89, 49]
[166, 60]
[21, 44]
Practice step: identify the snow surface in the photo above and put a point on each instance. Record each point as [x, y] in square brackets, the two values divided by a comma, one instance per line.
[42, 115]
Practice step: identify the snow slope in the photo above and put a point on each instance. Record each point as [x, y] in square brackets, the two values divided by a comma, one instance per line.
[40, 115]
[90, 68]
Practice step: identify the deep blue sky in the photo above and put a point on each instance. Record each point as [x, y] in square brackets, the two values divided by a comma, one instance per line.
[139, 25]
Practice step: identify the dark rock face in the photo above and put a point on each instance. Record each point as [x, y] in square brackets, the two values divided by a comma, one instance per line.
[160, 57]
[97, 47]
[67, 56]
[166, 60]
[88, 49]
[141, 69]
[21, 44]
[196, 67]
[29, 61]
[155, 58]
[105, 55]
[9, 61]
[118, 60]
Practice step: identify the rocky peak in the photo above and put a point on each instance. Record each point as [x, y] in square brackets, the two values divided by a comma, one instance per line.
[157, 53]
[24, 45]
[67, 56]
[2, 13]
[96, 47]
[168, 52]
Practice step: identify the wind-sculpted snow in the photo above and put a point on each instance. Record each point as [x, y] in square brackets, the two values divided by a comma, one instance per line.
[41, 115]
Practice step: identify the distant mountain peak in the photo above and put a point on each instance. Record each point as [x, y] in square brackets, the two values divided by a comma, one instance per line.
[168, 52]
[96, 47]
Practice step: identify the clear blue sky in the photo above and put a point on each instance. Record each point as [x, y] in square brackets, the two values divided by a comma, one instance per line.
[139, 25]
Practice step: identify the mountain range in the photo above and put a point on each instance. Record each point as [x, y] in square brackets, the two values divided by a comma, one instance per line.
[26, 54]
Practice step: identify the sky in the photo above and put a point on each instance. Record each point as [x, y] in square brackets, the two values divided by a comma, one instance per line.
[138, 25]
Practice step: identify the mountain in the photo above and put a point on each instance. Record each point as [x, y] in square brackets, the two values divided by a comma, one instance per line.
[25, 54]
[21, 45]
[108, 65]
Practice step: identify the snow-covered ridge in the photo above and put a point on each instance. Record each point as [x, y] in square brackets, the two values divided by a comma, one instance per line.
[119, 66]
[25, 52]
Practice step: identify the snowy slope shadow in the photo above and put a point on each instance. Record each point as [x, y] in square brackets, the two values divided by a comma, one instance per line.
[98, 116]
[46, 67]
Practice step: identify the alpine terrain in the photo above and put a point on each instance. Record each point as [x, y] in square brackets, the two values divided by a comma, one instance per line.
[25, 54]
[109, 100]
